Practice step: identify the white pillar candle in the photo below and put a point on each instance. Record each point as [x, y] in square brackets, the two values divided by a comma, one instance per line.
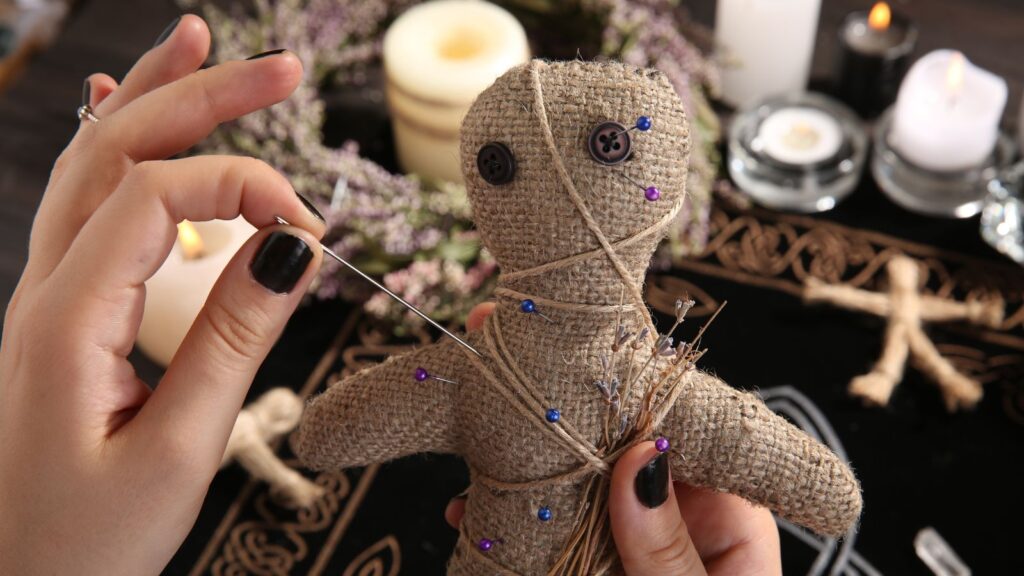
[947, 112]
[178, 291]
[438, 56]
[767, 47]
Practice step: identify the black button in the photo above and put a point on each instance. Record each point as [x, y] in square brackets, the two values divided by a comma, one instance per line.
[610, 143]
[496, 163]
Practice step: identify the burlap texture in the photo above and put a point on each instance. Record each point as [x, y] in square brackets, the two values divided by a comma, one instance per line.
[494, 416]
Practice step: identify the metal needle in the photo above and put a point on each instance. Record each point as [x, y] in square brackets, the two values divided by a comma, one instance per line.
[398, 298]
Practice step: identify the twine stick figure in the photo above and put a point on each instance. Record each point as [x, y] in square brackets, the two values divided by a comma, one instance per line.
[272, 415]
[907, 310]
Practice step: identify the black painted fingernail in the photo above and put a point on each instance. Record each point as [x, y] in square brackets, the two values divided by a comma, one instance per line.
[652, 482]
[280, 262]
[265, 54]
[86, 93]
[309, 206]
[167, 32]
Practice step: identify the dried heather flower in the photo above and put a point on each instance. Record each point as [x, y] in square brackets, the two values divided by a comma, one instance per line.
[639, 342]
[663, 346]
[621, 337]
[388, 223]
[682, 308]
[681, 350]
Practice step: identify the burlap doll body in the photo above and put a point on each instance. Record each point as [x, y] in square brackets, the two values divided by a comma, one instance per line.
[575, 237]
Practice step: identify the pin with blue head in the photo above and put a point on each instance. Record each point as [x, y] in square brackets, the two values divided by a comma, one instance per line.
[528, 306]
[643, 124]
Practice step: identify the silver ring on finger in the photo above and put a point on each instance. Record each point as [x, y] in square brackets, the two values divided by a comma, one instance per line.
[85, 113]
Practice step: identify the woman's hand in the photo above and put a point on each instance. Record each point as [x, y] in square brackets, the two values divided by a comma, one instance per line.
[99, 474]
[683, 531]
[664, 527]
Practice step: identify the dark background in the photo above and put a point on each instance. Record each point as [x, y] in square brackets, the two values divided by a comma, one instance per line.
[919, 465]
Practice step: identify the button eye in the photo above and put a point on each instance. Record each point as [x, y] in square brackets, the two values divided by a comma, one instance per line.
[609, 143]
[496, 163]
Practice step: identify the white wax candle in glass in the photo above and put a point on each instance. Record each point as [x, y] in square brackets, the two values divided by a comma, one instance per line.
[947, 113]
[799, 136]
[767, 47]
[178, 291]
[438, 56]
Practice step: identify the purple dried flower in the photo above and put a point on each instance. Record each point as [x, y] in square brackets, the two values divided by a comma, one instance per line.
[664, 346]
[387, 223]
[621, 337]
[682, 308]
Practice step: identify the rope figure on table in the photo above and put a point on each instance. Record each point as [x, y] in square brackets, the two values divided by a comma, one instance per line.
[262, 421]
[906, 311]
[572, 195]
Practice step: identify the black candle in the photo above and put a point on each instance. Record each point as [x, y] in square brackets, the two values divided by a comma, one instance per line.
[874, 54]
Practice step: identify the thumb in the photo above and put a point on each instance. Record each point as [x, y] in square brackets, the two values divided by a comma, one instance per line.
[649, 531]
[203, 389]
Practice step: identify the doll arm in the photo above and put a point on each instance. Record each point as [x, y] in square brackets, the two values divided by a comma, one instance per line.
[731, 441]
[383, 412]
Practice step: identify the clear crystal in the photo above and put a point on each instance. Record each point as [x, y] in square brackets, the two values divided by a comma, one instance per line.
[1002, 219]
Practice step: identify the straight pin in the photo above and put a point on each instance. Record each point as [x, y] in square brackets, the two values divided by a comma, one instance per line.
[643, 124]
[651, 193]
[529, 307]
[397, 298]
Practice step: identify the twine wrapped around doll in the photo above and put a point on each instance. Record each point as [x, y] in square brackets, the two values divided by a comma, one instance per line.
[554, 400]
[587, 549]
[907, 310]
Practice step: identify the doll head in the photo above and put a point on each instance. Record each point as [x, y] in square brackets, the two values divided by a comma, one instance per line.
[544, 185]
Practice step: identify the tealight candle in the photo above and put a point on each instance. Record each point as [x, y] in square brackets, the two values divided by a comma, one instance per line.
[799, 136]
[874, 53]
[801, 152]
[768, 46]
[438, 56]
[178, 291]
[947, 113]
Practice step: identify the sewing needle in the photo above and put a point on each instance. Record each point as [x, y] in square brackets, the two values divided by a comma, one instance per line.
[398, 298]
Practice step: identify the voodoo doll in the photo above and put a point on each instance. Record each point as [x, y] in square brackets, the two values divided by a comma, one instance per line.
[569, 370]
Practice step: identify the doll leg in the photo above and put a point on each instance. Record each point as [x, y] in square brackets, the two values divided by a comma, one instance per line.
[257, 458]
[876, 386]
[958, 390]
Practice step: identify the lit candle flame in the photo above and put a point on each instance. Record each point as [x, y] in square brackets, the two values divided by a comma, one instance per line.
[955, 74]
[190, 241]
[880, 16]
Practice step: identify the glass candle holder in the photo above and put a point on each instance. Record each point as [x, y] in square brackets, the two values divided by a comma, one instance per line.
[800, 152]
[1002, 219]
[950, 194]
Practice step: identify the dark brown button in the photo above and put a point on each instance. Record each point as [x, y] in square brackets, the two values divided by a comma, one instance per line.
[609, 143]
[496, 163]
